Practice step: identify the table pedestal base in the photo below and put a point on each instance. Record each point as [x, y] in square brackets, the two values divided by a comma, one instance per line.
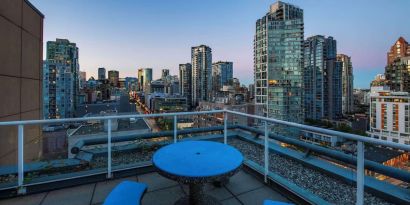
[197, 197]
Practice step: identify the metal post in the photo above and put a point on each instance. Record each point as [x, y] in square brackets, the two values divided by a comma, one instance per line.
[266, 146]
[109, 175]
[20, 156]
[175, 129]
[225, 128]
[360, 173]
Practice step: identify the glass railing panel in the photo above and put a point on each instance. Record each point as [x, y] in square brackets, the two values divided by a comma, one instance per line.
[64, 150]
[135, 147]
[8, 156]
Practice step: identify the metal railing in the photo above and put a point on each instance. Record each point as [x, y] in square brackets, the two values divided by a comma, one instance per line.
[359, 139]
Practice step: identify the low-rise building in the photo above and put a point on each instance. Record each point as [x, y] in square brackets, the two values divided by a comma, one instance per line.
[389, 116]
[160, 103]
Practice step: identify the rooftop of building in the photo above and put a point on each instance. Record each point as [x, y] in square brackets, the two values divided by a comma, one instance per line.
[123, 125]
[34, 8]
[243, 188]
[298, 172]
[380, 154]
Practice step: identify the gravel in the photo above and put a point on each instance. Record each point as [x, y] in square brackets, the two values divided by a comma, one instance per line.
[328, 188]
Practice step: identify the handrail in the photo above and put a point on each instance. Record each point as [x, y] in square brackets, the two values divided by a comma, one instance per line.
[50, 121]
[327, 131]
[360, 140]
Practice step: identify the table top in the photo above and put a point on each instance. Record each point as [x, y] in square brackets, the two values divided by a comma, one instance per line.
[197, 159]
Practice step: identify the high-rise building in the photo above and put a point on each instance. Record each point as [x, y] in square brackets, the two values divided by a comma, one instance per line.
[58, 91]
[397, 70]
[222, 72]
[322, 79]
[83, 79]
[201, 60]
[164, 73]
[144, 78]
[347, 83]
[278, 62]
[60, 79]
[185, 82]
[21, 54]
[101, 73]
[114, 77]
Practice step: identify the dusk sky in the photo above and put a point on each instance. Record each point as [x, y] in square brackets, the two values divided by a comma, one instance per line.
[125, 35]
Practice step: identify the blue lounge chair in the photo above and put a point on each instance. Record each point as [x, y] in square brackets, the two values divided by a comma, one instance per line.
[126, 193]
[269, 202]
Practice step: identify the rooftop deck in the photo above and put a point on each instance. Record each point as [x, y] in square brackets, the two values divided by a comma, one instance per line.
[276, 166]
[243, 188]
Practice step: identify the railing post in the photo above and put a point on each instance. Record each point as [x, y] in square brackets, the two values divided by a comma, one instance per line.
[225, 127]
[109, 171]
[175, 128]
[20, 156]
[266, 146]
[360, 173]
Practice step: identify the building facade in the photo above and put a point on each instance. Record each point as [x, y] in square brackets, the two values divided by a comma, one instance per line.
[201, 60]
[58, 91]
[61, 77]
[114, 77]
[144, 78]
[83, 79]
[278, 62]
[163, 103]
[222, 72]
[322, 79]
[185, 82]
[101, 73]
[390, 116]
[397, 70]
[164, 73]
[347, 83]
[131, 84]
[21, 54]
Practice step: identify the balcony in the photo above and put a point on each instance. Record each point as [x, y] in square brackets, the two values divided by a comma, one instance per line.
[98, 154]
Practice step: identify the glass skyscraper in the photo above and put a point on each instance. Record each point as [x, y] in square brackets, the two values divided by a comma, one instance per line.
[144, 78]
[278, 61]
[322, 79]
[222, 72]
[101, 73]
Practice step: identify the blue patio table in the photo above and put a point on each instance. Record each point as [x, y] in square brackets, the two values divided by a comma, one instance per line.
[196, 163]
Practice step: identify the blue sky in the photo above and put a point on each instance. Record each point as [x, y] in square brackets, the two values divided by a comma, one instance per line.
[127, 34]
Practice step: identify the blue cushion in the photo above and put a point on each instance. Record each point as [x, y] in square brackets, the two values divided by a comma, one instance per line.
[126, 193]
[269, 202]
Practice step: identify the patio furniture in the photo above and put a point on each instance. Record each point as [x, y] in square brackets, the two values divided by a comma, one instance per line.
[269, 202]
[126, 193]
[196, 163]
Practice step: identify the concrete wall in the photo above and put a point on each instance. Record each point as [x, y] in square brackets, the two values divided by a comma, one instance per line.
[21, 43]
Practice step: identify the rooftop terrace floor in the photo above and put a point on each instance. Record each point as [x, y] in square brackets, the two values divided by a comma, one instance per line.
[242, 188]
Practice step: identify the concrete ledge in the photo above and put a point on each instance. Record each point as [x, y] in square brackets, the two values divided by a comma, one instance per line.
[379, 188]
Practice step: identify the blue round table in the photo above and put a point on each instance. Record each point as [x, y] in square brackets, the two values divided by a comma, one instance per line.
[196, 163]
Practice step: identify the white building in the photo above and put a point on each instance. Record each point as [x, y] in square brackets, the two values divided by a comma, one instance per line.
[321, 138]
[389, 116]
